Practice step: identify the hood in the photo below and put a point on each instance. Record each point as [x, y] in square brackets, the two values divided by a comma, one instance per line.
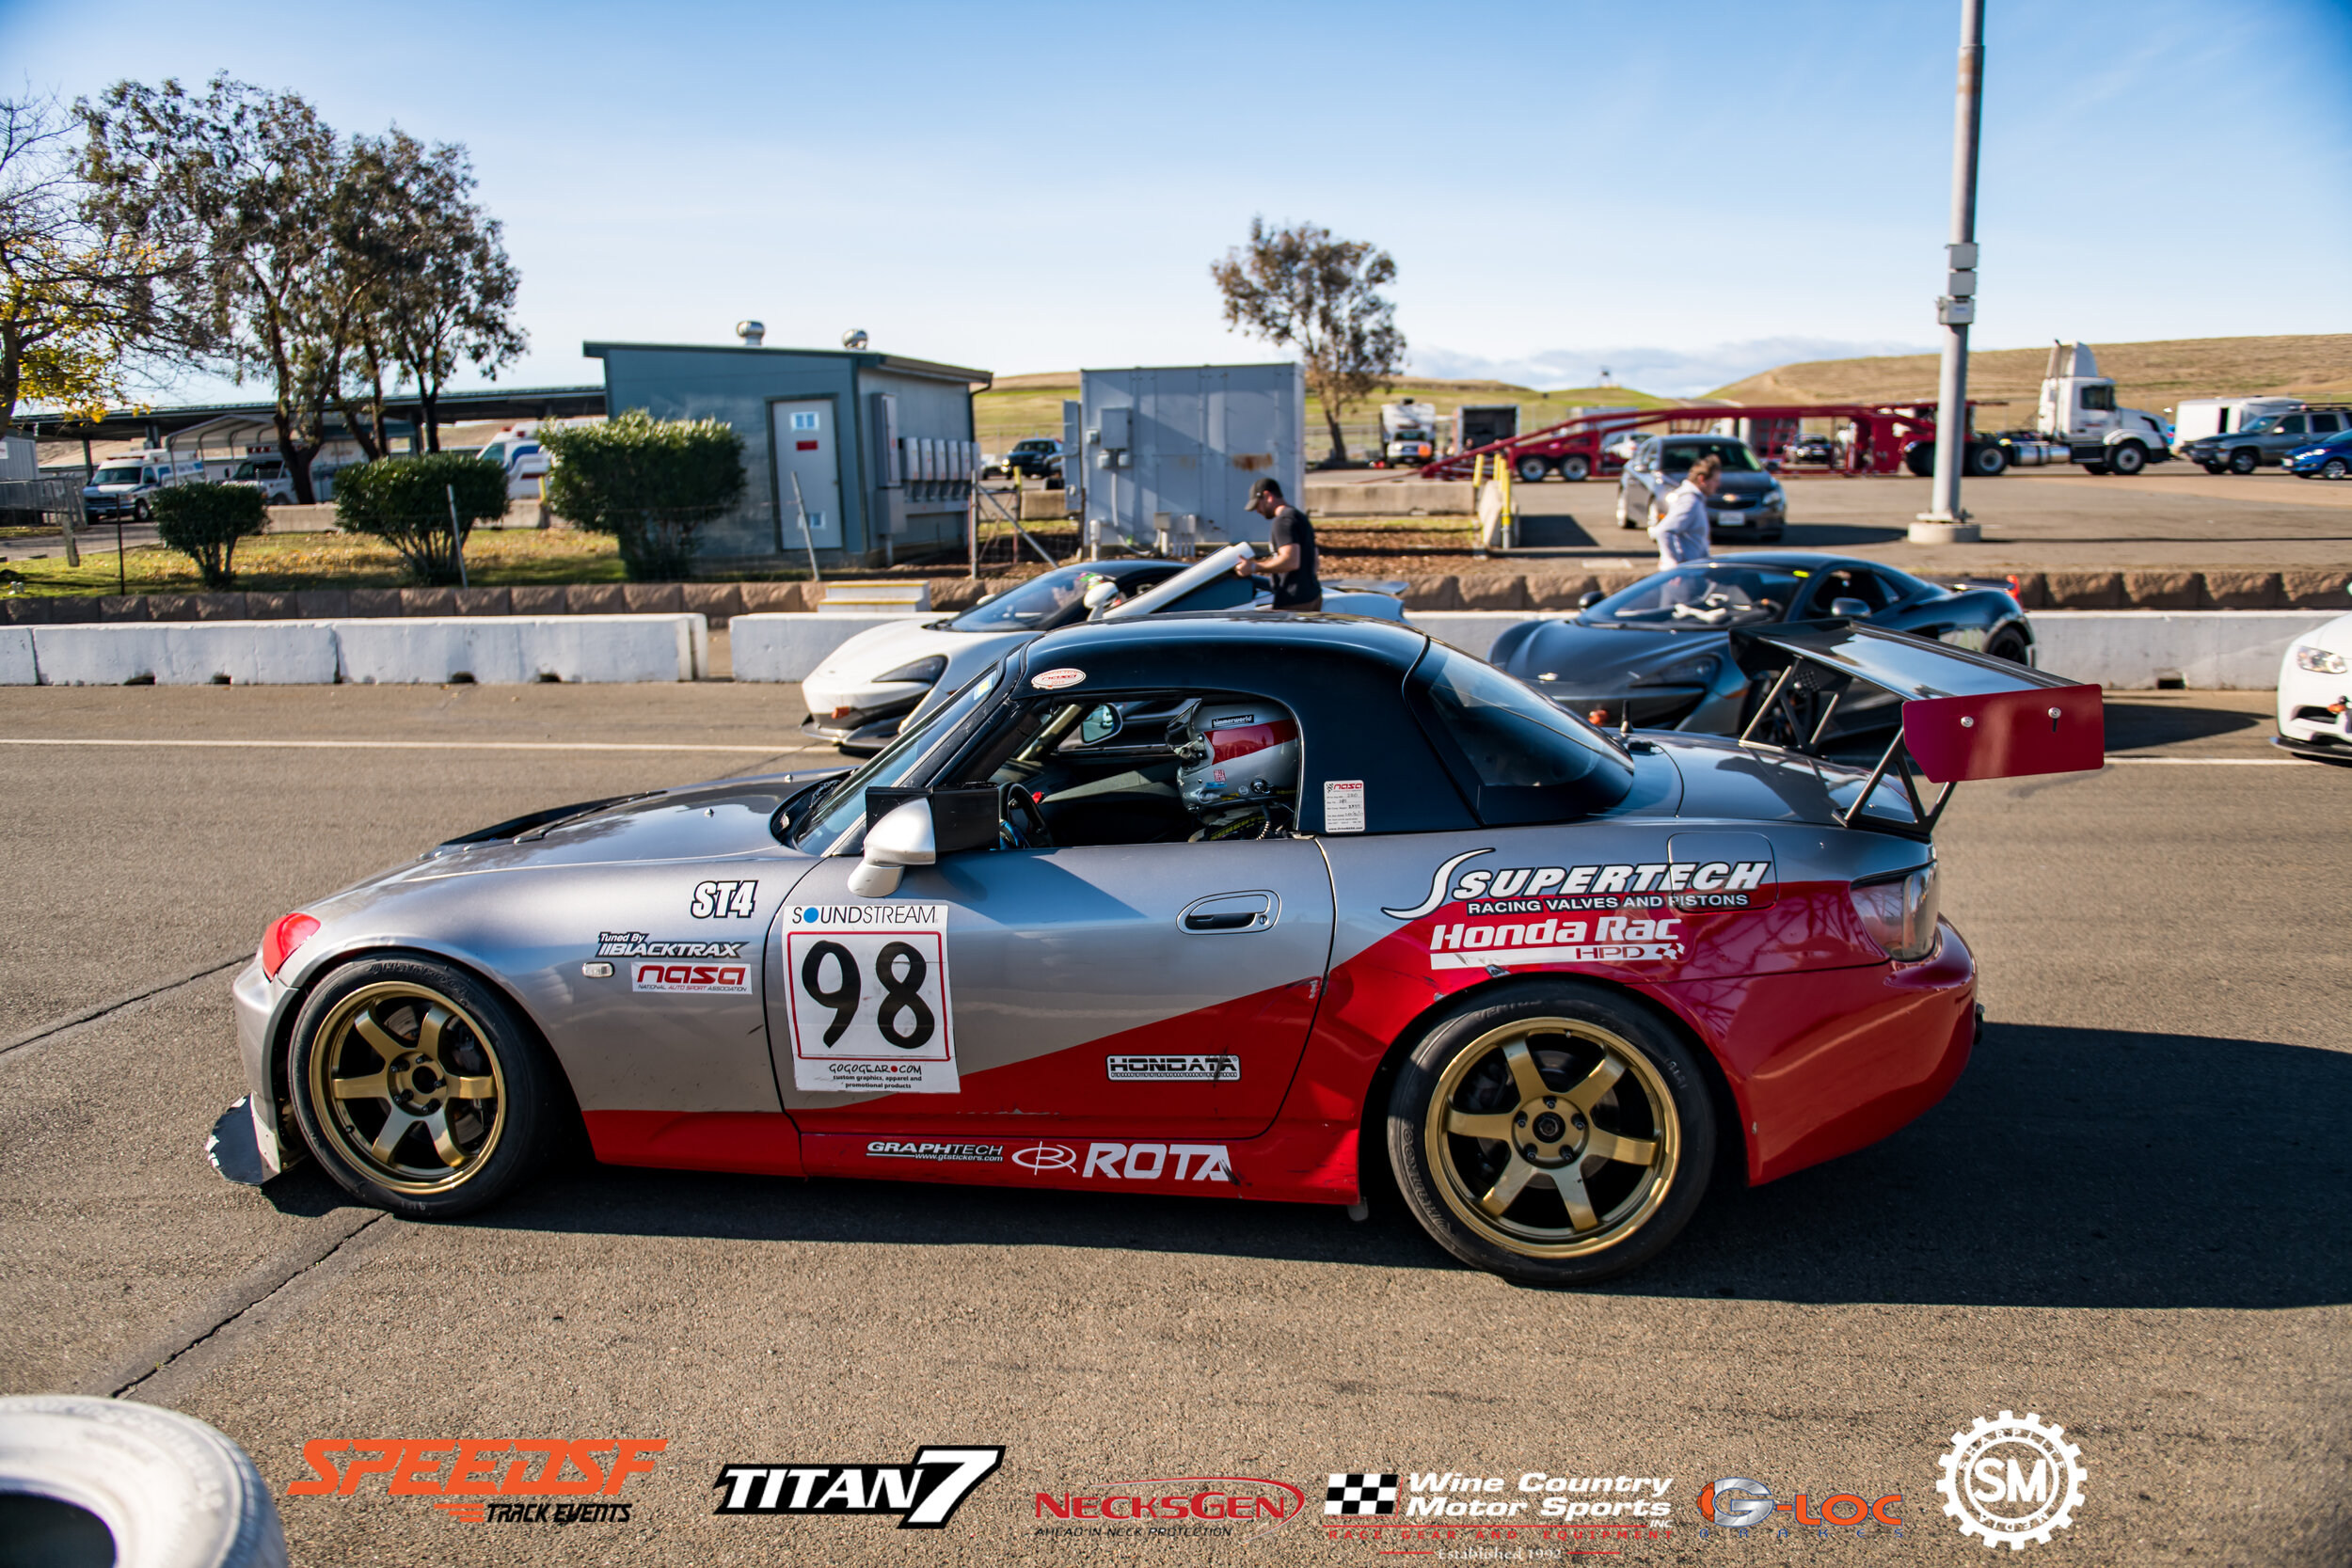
[1743, 484]
[728, 816]
[876, 649]
[1585, 657]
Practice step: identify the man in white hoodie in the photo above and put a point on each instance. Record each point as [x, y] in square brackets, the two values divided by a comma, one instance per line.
[1682, 533]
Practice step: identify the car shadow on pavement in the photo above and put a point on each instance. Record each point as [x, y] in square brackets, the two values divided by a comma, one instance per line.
[2069, 1167]
[2132, 726]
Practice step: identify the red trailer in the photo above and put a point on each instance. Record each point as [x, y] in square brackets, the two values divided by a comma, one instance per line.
[1881, 434]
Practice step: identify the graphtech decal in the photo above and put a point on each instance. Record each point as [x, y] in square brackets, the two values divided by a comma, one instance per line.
[921, 1148]
[1688, 885]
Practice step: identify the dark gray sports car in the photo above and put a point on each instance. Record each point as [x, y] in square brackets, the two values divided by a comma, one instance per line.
[1657, 655]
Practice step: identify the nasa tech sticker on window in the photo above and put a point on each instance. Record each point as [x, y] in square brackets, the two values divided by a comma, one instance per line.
[1054, 680]
[869, 998]
[1343, 805]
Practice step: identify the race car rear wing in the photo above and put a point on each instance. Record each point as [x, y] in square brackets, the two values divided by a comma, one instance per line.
[1964, 715]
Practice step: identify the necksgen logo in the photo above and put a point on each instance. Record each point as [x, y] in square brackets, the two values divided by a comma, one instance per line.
[924, 1495]
[1207, 1499]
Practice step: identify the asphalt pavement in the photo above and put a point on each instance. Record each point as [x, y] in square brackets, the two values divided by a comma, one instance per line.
[2126, 1218]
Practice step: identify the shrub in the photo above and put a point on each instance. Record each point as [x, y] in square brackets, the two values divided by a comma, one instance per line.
[406, 501]
[204, 522]
[651, 483]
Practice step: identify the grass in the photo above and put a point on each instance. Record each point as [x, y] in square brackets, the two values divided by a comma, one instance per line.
[2153, 375]
[283, 562]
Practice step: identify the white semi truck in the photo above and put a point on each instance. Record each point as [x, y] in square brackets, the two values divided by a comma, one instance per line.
[2076, 422]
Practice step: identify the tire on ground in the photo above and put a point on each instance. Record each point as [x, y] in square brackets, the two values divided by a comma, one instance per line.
[2127, 457]
[170, 1491]
[1987, 461]
[1576, 466]
[2008, 644]
[418, 1088]
[1531, 470]
[2245, 460]
[1602, 1091]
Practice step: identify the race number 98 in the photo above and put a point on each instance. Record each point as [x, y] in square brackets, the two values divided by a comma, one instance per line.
[870, 1007]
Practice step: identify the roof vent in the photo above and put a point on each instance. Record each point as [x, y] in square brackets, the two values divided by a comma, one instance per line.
[750, 332]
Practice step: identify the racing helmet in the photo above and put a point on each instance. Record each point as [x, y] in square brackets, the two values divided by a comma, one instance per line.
[1237, 756]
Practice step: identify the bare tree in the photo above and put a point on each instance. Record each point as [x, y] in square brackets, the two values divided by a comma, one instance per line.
[239, 184]
[78, 298]
[1298, 287]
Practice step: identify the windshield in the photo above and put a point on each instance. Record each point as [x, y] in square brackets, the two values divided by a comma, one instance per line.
[840, 810]
[117, 476]
[1052, 600]
[2268, 422]
[1711, 592]
[1035, 446]
[1678, 456]
[1520, 758]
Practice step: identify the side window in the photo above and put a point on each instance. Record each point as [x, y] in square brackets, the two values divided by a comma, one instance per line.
[2291, 425]
[1831, 586]
[2100, 399]
[1516, 758]
[1228, 592]
[2326, 424]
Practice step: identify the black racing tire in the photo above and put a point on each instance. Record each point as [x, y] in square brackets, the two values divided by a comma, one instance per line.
[2008, 644]
[1987, 461]
[1531, 470]
[483, 1104]
[2245, 460]
[1564, 1065]
[2215, 467]
[1575, 467]
[2126, 458]
[2335, 468]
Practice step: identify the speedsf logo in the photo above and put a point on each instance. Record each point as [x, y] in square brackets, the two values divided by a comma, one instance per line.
[922, 1496]
[487, 1479]
[1448, 1494]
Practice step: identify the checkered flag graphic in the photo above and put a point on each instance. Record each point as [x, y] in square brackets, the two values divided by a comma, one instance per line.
[1360, 1492]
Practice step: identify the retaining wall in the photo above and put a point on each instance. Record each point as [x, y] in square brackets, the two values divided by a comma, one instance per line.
[490, 650]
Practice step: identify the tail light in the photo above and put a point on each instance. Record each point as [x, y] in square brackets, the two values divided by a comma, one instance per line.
[286, 933]
[2016, 590]
[1899, 912]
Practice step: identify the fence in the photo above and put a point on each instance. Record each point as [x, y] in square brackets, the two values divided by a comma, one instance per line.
[55, 503]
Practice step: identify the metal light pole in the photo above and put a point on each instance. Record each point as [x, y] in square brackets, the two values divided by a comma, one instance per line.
[1944, 522]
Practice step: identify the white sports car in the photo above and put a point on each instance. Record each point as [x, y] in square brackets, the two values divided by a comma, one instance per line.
[871, 685]
[2316, 694]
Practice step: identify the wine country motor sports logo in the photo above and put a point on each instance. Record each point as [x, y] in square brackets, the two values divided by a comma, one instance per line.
[485, 1479]
[1419, 1511]
[924, 1495]
[2013, 1481]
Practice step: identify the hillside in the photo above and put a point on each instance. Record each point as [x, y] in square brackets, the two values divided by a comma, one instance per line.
[1019, 405]
[2148, 375]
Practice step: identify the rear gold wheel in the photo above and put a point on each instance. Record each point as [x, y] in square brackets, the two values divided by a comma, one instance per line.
[1557, 1134]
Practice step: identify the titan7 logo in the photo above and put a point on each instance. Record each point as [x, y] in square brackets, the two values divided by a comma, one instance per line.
[924, 1495]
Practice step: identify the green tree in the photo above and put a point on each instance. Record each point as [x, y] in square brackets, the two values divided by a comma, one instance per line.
[423, 507]
[204, 522]
[1299, 288]
[651, 483]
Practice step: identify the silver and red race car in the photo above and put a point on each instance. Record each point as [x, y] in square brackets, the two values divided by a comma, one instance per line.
[1250, 905]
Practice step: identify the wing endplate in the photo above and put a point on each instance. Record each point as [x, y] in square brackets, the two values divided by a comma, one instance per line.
[2006, 734]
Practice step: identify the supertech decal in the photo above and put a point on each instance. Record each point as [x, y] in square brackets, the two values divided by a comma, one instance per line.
[1632, 884]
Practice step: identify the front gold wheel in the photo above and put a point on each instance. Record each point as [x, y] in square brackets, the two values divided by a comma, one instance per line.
[410, 1086]
[1552, 1137]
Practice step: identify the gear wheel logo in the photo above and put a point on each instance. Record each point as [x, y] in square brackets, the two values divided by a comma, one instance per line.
[2013, 1481]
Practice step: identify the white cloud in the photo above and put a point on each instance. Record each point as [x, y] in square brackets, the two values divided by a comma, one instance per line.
[1668, 372]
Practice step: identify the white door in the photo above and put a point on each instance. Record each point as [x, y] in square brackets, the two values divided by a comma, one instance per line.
[807, 447]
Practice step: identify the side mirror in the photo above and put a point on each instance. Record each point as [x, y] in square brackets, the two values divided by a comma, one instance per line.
[1101, 722]
[1589, 598]
[1853, 610]
[901, 839]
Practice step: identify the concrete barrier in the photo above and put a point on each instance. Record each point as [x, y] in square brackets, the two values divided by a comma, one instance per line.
[187, 653]
[17, 665]
[2135, 650]
[507, 650]
[1394, 498]
[789, 647]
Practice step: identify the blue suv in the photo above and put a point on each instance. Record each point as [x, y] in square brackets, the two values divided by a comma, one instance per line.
[2328, 459]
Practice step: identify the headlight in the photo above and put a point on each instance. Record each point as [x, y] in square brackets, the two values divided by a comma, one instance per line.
[1690, 672]
[1899, 911]
[923, 671]
[2320, 661]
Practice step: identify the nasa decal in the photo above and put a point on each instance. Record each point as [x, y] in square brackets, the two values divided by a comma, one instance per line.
[1054, 680]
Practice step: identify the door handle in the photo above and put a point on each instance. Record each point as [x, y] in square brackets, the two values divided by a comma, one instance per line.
[1229, 911]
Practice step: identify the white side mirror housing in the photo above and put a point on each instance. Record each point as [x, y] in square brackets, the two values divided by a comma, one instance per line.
[900, 839]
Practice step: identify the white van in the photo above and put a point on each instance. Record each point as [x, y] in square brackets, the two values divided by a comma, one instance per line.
[2195, 419]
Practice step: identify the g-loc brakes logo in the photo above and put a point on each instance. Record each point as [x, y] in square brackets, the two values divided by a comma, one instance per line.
[924, 1495]
[1986, 1490]
[1736, 1502]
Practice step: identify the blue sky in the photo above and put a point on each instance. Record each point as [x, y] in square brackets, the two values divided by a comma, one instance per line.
[1032, 187]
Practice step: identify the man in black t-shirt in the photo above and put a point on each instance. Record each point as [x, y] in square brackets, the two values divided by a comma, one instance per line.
[1292, 566]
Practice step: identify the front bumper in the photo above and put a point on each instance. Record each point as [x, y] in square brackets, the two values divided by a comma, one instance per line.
[1750, 521]
[2306, 726]
[255, 998]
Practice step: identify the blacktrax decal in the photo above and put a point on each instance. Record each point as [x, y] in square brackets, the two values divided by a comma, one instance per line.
[924, 1495]
[633, 944]
[724, 901]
